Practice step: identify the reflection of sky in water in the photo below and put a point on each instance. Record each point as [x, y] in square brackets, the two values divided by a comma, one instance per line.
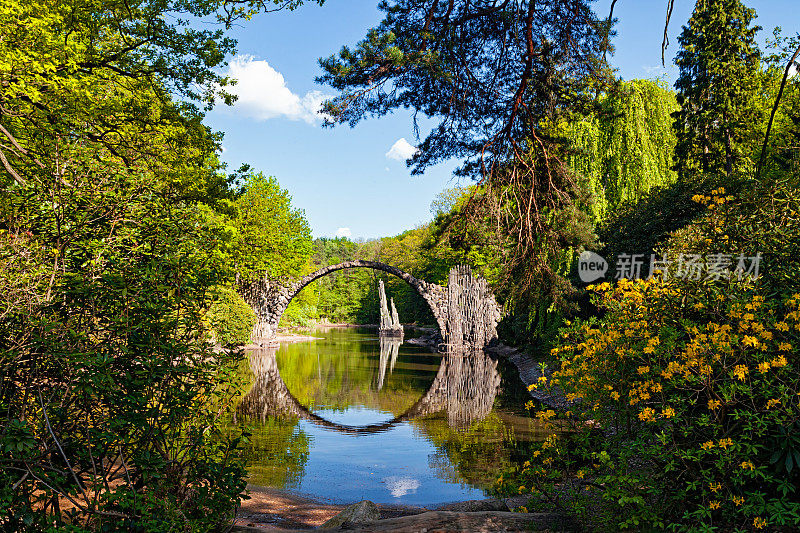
[400, 486]
[354, 416]
[388, 467]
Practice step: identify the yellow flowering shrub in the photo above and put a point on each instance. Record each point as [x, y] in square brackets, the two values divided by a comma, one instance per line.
[697, 390]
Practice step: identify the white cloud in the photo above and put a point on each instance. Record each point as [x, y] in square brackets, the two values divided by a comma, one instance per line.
[400, 486]
[794, 69]
[653, 69]
[401, 150]
[344, 232]
[263, 94]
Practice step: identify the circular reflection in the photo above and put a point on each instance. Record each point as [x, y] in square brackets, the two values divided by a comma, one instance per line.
[464, 388]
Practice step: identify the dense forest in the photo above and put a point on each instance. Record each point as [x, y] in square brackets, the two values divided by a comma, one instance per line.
[124, 240]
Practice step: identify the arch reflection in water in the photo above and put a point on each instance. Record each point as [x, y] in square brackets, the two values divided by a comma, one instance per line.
[348, 417]
[464, 388]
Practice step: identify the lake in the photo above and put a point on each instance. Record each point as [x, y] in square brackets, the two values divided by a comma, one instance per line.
[352, 416]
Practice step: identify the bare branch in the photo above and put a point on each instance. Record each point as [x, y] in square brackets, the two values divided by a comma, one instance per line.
[665, 41]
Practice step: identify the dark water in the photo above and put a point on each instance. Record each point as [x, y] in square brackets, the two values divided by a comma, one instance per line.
[353, 417]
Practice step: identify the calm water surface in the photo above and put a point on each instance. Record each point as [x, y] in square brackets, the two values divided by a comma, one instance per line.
[353, 417]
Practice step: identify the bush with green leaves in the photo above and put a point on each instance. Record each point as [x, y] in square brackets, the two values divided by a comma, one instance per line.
[686, 391]
[230, 318]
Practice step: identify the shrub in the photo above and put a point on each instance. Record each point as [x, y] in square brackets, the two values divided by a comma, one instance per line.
[230, 317]
[686, 393]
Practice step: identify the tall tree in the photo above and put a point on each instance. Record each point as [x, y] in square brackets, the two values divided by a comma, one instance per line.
[717, 88]
[273, 239]
[499, 76]
[108, 246]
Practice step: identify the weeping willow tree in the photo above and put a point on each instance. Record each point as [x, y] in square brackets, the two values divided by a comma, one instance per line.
[626, 148]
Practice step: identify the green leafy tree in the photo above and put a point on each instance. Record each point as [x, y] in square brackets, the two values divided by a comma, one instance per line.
[500, 77]
[109, 391]
[626, 147]
[273, 238]
[718, 88]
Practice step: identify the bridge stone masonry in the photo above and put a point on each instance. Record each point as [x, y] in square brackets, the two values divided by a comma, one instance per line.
[465, 311]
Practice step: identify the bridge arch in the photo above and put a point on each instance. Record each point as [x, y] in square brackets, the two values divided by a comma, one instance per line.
[270, 301]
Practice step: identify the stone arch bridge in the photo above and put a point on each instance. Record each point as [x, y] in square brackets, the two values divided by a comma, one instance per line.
[465, 299]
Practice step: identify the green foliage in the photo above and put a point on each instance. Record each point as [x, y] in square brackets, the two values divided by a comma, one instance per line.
[643, 227]
[718, 89]
[699, 381]
[112, 239]
[448, 199]
[113, 376]
[231, 319]
[273, 239]
[625, 148]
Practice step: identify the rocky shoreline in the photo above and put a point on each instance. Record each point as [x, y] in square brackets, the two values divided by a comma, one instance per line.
[295, 512]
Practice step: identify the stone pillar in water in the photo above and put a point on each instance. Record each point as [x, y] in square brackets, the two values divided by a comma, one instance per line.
[390, 323]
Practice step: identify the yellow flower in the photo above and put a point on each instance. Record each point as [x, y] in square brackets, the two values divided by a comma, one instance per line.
[772, 403]
[713, 505]
[615, 395]
[740, 371]
[708, 445]
[784, 347]
[764, 367]
[647, 415]
[782, 326]
[747, 465]
[750, 341]
[580, 474]
[545, 415]
[668, 412]
[779, 362]
[714, 404]
[715, 486]
[738, 500]
[724, 443]
[759, 523]
[643, 370]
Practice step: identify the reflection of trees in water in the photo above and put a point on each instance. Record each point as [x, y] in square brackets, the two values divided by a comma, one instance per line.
[278, 450]
[268, 395]
[473, 455]
[473, 444]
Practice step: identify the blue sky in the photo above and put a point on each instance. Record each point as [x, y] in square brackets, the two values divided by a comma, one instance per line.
[351, 180]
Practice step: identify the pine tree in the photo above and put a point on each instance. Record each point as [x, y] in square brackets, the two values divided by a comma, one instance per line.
[717, 88]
